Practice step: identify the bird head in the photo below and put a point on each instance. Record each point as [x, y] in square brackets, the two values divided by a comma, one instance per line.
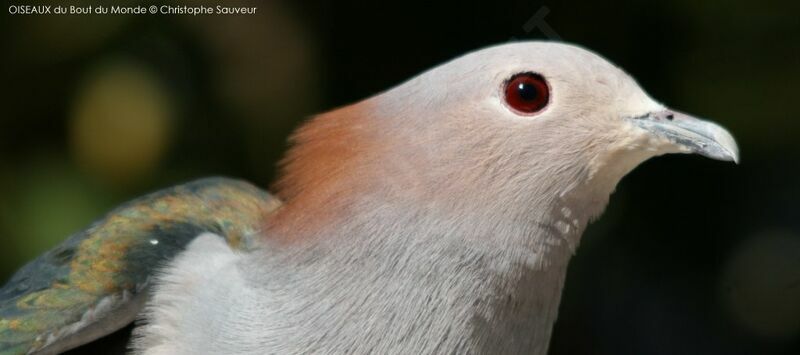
[509, 128]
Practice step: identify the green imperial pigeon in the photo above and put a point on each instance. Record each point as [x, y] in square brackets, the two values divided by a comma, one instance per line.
[437, 217]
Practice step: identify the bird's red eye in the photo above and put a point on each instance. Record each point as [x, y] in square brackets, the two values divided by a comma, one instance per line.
[527, 92]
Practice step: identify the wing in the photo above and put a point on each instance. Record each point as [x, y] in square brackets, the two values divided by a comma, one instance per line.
[96, 281]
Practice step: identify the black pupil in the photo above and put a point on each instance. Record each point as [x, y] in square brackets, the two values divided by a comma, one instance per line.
[527, 91]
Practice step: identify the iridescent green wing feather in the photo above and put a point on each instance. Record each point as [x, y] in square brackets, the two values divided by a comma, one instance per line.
[96, 281]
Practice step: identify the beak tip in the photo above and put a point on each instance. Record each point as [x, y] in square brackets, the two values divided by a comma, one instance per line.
[733, 157]
[727, 144]
[720, 154]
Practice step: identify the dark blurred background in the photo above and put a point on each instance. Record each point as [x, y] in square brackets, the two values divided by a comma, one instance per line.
[693, 256]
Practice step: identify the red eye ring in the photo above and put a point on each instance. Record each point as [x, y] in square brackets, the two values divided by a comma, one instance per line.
[527, 93]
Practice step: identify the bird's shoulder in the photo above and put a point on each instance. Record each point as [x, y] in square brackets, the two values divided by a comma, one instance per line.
[98, 279]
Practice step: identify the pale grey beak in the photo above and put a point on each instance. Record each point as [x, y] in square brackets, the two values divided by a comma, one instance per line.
[698, 136]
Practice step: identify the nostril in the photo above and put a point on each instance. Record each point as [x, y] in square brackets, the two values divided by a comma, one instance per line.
[670, 117]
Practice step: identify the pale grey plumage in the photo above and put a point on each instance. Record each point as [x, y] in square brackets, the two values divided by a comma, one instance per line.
[427, 219]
